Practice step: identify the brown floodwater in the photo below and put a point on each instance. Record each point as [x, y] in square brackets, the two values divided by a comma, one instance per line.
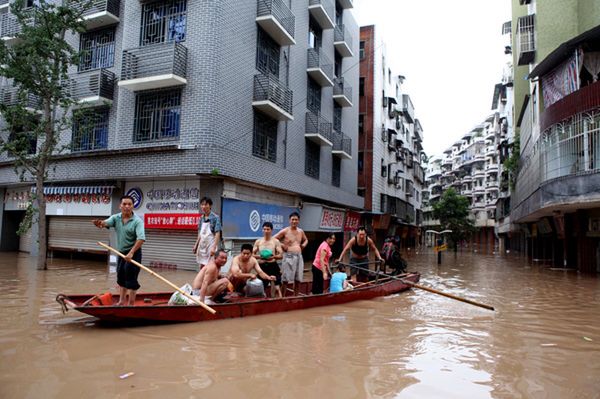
[543, 340]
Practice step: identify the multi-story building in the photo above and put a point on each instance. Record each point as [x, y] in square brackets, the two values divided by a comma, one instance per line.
[252, 103]
[556, 50]
[390, 175]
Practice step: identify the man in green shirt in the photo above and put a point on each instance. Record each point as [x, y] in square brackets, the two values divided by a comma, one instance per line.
[130, 237]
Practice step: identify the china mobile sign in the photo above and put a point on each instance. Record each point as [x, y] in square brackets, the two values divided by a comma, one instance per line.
[171, 221]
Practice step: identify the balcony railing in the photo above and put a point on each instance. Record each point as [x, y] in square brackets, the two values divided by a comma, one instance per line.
[93, 88]
[319, 67]
[9, 96]
[154, 66]
[342, 40]
[4, 3]
[318, 129]
[526, 39]
[346, 4]
[408, 111]
[323, 11]
[272, 98]
[9, 26]
[99, 13]
[342, 92]
[276, 18]
[342, 145]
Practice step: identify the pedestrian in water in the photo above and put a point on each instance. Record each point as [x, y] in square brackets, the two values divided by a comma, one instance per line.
[359, 247]
[320, 266]
[293, 241]
[209, 233]
[130, 238]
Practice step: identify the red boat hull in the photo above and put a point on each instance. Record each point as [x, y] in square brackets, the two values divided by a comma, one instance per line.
[153, 307]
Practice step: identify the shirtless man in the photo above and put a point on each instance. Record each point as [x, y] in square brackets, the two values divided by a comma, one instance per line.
[261, 250]
[293, 241]
[245, 268]
[208, 281]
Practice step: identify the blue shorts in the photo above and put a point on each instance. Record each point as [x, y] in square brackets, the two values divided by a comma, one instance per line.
[127, 273]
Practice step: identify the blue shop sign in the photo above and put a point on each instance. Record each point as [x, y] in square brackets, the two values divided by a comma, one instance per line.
[242, 219]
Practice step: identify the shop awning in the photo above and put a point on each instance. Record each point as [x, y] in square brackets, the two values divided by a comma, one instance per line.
[104, 190]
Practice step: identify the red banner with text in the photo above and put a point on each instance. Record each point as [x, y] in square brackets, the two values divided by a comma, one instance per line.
[172, 221]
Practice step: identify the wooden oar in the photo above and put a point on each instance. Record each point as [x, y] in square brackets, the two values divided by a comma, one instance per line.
[427, 288]
[158, 276]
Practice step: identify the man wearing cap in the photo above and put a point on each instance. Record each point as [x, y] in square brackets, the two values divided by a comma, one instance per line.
[267, 251]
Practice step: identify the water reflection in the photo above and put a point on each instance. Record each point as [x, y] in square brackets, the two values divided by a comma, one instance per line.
[543, 340]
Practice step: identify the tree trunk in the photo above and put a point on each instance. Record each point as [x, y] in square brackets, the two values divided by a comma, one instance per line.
[42, 239]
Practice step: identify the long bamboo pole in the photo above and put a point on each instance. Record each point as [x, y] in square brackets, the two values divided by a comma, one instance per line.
[158, 276]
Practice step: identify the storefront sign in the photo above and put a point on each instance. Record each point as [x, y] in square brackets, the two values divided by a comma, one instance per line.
[242, 219]
[17, 199]
[165, 196]
[331, 219]
[171, 221]
[352, 221]
[137, 195]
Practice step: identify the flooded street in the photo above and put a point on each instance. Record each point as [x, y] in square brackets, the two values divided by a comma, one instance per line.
[543, 340]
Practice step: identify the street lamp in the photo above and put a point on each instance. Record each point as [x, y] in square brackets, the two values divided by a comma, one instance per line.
[439, 242]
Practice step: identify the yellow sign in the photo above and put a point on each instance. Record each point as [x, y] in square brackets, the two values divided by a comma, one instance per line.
[441, 248]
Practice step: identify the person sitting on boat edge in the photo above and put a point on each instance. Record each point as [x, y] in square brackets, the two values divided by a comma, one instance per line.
[207, 284]
[244, 274]
[339, 280]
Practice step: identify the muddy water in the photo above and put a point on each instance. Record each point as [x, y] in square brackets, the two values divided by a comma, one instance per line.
[542, 342]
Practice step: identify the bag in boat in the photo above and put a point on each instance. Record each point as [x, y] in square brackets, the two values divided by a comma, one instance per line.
[178, 299]
[254, 288]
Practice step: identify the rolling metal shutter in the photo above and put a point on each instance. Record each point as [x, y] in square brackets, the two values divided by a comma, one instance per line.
[170, 249]
[69, 233]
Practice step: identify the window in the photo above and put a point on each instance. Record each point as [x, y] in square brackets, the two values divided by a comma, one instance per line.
[337, 65]
[97, 49]
[90, 130]
[336, 169]
[264, 141]
[267, 54]
[313, 96]
[383, 168]
[382, 201]
[157, 115]
[312, 159]
[361, 123]
[390, 174]
[315, 33]
[163, 21]
[337, 118]
[361, 51]
[361, 87]
[360, 192]
[22, 138]
[361, 160]
[389, 76]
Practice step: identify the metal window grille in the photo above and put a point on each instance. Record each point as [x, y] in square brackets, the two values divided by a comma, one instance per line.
[337, 118]
[313, 96]
[264, 141]
[267, 54]
[336, 171]
[361, 51]
[163, 21]
[97, 50]
[526, 33]
[157, 116]
[90, 130]
[312, 159]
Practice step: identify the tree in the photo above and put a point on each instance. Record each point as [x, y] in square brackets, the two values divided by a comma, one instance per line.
[452, 210]
[40, 107]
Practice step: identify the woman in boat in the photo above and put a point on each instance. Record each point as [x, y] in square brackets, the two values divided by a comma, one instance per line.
[320, 266]
[359, 247]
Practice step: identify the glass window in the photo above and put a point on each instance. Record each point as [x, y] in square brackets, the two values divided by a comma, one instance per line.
[361, 123]
[163, 21]
[336, 168]
[361, 52]
[157, 115]
[264, 141]
[312, 159]
[90, 130]
[361, 87]
[97, 49]
[267, 54]
[313, 96]
[337, 118]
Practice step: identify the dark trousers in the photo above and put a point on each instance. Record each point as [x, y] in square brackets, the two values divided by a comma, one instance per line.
[317, 282]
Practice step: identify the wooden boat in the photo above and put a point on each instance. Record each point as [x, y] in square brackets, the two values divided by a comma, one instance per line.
[152, 308]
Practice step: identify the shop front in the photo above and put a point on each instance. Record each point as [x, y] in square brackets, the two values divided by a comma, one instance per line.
[15, 203]
[318, 221]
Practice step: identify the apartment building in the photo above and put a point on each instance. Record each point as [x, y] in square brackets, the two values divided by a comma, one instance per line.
[390, 151]
[556, 51]
[252, 103]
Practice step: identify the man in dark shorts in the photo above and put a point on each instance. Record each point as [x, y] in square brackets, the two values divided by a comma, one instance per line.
[267, 251]
[245, 272]
[130, 237]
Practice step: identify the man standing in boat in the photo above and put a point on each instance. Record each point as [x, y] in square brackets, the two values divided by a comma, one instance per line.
[208, 284]
[268, 251]
[359, 247]
[209, 233]
[130, 238]
[293, 241]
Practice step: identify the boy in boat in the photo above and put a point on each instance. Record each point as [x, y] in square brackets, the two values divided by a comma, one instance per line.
[208, 282]
[339, 280]
[293, 241]
[244, 274]
[268, 251]
[130, 238]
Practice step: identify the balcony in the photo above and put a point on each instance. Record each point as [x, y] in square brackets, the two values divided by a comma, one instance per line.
[492, 168]
[584, 99]
[9, 28]
[466, 192]
[342, 145]
[276, 18]
[345, 4]
[342, 93]
[4, 4]
[154, 67]
[479, 190]
[272, 98]
[10, 96]
[418, 131]
[318, 129]
[92, 88]
[526, 39]
[319, 68]
[323, 12]
[342, 41]
[100, 13]
[407, 109]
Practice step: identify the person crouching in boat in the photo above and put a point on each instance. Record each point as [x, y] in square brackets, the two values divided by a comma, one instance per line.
[359, 247]
[320, 266]
[208, 284]
[339, 280]
[130, 238]
[244, 274]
